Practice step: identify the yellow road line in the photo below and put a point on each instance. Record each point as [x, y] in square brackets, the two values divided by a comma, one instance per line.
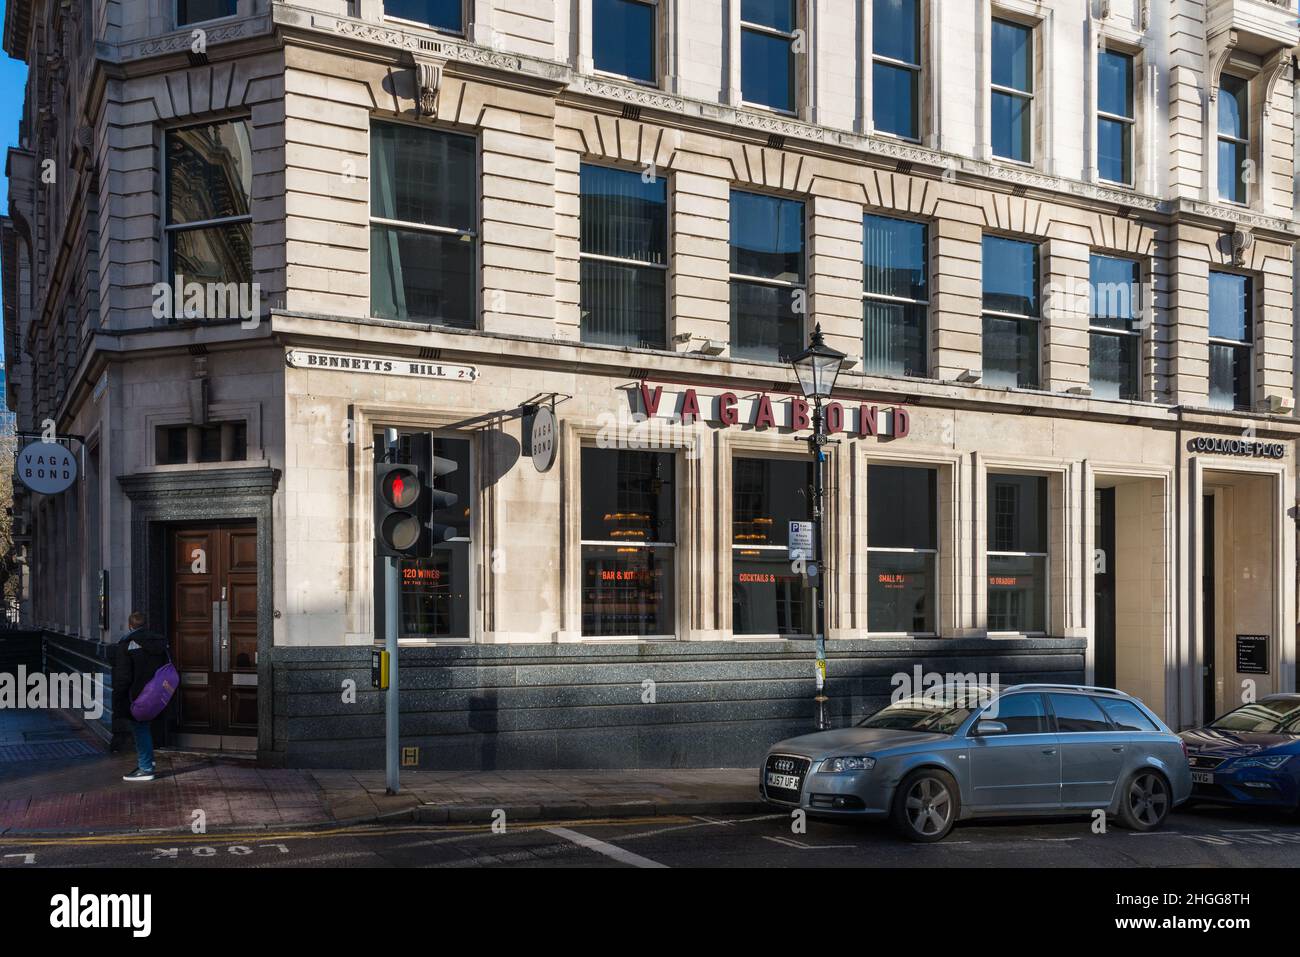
[372, 830]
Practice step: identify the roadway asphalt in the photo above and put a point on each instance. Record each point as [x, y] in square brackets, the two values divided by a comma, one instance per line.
[1199, 838]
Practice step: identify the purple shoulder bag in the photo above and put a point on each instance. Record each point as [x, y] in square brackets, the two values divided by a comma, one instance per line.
[155, 695]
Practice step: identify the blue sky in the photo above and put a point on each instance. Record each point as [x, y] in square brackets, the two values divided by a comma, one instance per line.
[13, 80]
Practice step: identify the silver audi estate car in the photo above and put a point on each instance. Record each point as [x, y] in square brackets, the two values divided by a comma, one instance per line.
[963, 752]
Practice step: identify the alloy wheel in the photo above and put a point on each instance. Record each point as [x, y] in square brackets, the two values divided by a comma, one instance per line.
[929, 805]
[1148, 799]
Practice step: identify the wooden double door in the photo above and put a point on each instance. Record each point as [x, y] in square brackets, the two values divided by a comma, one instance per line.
[214, 633]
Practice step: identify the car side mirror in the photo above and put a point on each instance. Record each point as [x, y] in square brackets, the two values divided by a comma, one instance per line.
[990, 727]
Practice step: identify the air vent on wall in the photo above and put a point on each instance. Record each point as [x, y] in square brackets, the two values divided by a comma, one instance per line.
[631, 112]
[428, 45]
[1019, 190]
[637, 373]
[430, 354]
[776, 142]
[904, 167]
[198, 350]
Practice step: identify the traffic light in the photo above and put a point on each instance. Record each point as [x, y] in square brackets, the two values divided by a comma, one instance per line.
[405, 500]
[433, 467]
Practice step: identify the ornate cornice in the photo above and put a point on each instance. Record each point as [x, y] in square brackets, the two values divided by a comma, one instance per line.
[181, 41]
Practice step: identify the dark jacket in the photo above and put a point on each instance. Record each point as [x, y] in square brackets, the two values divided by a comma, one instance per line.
[137, 657]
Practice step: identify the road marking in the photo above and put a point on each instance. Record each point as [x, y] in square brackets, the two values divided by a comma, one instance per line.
[806, 847]
[600, 847]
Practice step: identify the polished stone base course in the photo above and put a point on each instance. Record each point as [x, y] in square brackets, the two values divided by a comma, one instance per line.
[625, 705]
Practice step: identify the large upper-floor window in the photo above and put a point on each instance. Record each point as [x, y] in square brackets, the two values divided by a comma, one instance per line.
[768, 595]
[1115, 328]
[1011, 313]
[1234, 138]
[629, 538]
[1012, 113]
[767, 53]
[200, 11]
[902, 545]
[623, 38]
[445, 15]
[624, 257]
[896, 67]
[895, 295]
[209, 185]
[1232, 337]
[768, 293]
[1115, 117]
[1017, 553]
[423, 224]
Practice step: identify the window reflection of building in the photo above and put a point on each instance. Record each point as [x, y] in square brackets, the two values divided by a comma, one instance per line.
[768, 594]
[209, 221]
[628, 543]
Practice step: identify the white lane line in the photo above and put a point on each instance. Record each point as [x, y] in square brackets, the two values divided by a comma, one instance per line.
[600, 847]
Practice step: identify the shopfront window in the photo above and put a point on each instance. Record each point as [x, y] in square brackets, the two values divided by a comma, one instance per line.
[768, 595]
[895, 294]
[201, 11]
[423, 234]
[629, 539]
[1115, 332]
[768, 294]
[624, 258]
[1232, 336]
[1017, 553]
[435, 592]
[1011, 313]
[902, 546]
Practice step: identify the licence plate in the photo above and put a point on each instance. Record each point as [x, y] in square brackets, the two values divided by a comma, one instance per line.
[1202, 777]
[788, 782]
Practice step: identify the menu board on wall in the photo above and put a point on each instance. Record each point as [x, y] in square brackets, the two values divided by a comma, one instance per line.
[1252, 654]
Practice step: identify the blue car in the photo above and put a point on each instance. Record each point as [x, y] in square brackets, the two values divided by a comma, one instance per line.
[1249, 757]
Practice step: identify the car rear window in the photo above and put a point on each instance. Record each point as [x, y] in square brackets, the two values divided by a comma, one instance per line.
[1126, 715]
[1076, 712]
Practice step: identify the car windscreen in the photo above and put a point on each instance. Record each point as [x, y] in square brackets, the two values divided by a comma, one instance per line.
[1279, 716]
[937, 715]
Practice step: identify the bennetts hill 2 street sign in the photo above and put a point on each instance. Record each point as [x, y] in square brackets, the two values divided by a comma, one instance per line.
[378, 365]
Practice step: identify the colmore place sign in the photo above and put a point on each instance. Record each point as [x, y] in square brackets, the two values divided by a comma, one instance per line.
[766, 411]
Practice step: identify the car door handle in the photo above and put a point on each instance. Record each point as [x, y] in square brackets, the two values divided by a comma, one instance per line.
[1049, 750]
[1118, 749]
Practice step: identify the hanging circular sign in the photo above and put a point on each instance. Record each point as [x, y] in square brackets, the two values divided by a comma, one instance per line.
[46, 467]
[542, 439]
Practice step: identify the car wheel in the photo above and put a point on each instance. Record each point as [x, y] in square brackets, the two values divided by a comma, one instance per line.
[926, 805]
[1145, 802]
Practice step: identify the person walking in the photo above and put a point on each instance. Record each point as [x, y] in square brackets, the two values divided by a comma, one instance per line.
[139, 655]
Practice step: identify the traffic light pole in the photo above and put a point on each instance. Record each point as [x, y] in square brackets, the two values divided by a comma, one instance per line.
[391, 611]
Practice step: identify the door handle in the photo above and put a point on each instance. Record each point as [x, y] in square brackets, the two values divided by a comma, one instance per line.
[1049, 750]
[1118, 749]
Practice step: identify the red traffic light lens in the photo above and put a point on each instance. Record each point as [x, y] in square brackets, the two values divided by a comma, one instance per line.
[401, 488]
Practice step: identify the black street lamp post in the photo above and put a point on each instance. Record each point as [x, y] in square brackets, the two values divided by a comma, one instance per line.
[817, 368]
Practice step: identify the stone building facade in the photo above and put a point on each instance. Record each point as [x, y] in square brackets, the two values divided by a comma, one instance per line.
[444, 215]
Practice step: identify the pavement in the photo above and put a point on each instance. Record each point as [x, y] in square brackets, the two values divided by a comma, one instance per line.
[57, 778]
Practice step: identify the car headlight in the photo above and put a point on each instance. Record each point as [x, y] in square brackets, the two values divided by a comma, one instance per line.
[1272, 762]
[843, 765]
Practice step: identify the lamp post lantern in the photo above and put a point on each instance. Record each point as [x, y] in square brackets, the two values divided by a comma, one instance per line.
[817, 368]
